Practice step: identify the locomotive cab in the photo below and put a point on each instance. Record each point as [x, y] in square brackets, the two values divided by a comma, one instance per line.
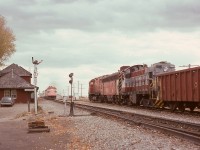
[154, 88]
[146, 89]
[91, 89]
[95, 88]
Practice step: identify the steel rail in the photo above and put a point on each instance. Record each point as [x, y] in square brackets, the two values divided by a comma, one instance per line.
[185, 130]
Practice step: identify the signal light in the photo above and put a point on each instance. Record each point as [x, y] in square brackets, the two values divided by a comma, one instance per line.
[70, 75]
[72, 103]
[70, 81]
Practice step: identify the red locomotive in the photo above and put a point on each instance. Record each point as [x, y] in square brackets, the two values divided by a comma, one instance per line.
[156, 86]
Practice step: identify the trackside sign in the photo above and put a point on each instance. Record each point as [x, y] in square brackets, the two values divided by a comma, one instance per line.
[29, 90]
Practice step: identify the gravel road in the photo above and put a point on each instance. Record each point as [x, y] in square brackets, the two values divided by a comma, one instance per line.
[84, 131]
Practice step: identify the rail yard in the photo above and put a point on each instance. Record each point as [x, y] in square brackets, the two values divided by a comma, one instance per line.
[138, 107]
[90, 130]
[184, 126]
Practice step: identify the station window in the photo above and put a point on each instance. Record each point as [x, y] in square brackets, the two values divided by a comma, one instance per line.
[14, 93]
[10, 93]
[7, 93]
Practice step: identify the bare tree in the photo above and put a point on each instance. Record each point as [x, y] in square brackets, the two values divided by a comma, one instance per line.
[7, 38]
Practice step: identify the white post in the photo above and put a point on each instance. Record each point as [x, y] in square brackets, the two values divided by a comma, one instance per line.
[35, 88]
[35, 62]
[35, 100]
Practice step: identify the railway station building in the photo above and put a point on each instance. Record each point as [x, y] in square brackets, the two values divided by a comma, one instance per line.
[15, 82]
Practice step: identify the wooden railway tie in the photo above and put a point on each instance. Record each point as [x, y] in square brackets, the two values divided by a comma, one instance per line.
[37, 126]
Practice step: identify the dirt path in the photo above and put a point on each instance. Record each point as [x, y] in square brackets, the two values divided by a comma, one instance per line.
[14, 127]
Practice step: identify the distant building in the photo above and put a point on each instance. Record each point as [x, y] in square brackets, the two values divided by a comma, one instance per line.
[15, 81]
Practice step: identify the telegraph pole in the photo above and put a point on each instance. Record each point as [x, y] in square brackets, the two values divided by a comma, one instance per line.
[68, 91]
[78, 88]
[35, 62]
[81, 90]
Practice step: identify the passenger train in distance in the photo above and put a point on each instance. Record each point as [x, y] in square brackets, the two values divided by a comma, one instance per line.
[50, 93]
[158, 85]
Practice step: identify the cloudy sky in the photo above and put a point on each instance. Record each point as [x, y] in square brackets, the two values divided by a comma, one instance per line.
[95, 37]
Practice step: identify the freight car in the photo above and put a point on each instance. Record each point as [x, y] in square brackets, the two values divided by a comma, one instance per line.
[180, 89]
[147, 86]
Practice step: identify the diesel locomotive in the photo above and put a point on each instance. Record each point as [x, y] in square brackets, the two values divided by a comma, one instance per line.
[50, 93]
[158, 85]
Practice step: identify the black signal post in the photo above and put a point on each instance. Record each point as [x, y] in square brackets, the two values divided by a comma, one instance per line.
[72, 103]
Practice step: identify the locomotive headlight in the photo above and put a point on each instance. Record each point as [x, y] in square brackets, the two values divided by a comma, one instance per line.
[165, 68]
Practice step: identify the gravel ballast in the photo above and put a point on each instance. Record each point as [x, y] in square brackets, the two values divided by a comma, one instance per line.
[148, 112]
[101, 133]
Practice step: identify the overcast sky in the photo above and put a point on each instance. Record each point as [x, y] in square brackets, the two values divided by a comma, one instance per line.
[95, 37]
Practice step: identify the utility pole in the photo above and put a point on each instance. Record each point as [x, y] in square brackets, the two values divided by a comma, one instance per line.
[68, 91]
[65, 105]
[35, 62]
[81, 90]
[73, 87]
[78, 88]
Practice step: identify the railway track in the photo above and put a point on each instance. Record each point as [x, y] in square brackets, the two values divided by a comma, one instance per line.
[185, 130]
[196, 112]
[189, 131]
